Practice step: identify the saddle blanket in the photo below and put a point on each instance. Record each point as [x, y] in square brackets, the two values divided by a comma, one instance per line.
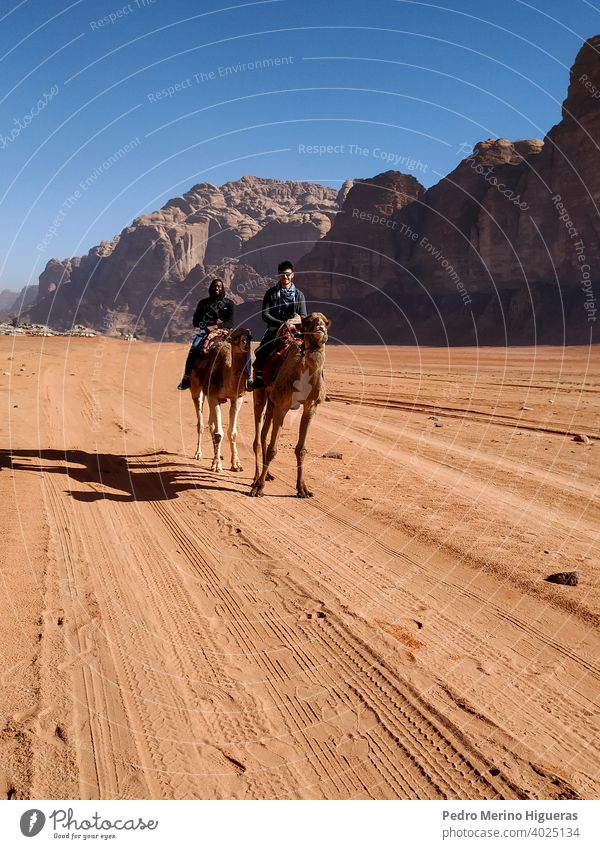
[286, 337]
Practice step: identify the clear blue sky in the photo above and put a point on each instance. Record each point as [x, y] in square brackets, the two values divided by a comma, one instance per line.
[400, 80]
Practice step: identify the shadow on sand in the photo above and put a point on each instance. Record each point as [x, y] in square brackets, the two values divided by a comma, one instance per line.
[139, 477]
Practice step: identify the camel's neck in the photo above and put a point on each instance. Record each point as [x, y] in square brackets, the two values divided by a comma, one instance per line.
[314, 357]
[238, 359]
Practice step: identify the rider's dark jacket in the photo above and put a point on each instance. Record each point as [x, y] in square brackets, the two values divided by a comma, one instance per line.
[210, 310]
[275, 310]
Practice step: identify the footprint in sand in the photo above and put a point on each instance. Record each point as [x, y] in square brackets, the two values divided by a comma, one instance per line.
[273, 753]
[353, 746]
[311, 692]
[214, 761]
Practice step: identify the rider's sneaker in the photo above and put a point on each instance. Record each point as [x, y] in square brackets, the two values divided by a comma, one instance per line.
[185, 384]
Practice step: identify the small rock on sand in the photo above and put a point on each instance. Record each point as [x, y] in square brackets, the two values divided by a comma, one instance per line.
[581, 437]
[569, 579]
[333, 455]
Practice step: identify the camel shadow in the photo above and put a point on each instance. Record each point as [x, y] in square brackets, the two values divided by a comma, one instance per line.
[137, 477]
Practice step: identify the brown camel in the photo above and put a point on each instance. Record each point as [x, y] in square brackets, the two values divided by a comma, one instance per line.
[221, 377]
[299, 381]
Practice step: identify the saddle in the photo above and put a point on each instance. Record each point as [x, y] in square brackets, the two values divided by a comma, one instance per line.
[286, 337]
[212, 339]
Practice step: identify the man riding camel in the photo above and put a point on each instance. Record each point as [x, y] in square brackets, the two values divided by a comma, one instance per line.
[214, 311]
[281, 303]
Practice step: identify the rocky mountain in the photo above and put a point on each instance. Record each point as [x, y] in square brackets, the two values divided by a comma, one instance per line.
[7, 298]
[12, 304]
[148, 278]
[505, 249]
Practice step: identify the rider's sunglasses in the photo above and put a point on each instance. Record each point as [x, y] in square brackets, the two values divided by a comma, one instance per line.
[285, 273]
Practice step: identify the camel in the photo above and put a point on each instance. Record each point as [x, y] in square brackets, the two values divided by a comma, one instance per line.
[221, 377]
[299, 381]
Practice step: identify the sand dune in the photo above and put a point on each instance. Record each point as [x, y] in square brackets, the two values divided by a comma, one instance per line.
[166, 636]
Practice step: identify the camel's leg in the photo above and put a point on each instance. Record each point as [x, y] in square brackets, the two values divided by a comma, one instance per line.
[198, 404]
[278, 417]
[264, 435]
[216, 429]
[260, 404]
[307, 414]
[234, 412]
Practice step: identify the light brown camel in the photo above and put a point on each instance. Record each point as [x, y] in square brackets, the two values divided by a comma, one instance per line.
[221, 377]
[299, 381]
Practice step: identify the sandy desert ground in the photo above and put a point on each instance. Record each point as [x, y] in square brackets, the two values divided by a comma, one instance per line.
[166, 636]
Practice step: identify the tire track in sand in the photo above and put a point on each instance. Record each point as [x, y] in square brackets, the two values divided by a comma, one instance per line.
[405, 738]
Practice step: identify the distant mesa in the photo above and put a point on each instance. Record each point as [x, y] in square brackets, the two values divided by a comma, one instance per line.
[504, 250]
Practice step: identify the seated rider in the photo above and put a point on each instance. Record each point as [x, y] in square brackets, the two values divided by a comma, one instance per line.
[282, 302]
[214, 311]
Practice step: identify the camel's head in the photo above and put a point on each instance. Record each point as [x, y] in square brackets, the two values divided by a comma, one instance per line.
[241, 338]
[314, 329]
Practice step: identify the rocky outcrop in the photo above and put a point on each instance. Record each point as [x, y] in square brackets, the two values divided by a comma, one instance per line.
[12, 304]
[157, 268]
[505, 249]
[7, 299]
[358, 254]
[293, 235]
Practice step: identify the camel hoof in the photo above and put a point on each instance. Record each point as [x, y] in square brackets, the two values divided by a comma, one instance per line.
[270, 477]
[216, 467]
[197, 456]
[304, 493]
[256, 491]
[237, 468]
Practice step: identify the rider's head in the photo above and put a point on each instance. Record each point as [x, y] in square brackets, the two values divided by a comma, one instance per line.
[285, 272]
[216, 288]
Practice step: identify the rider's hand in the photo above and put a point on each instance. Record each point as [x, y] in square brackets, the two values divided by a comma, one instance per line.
[296, 319]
